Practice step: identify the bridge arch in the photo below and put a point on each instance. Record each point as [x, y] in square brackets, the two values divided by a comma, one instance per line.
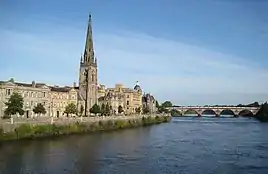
[227, 112]
[208, 112]
[191, 112]
[245, 112]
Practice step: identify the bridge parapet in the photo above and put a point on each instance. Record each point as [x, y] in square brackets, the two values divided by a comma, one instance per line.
[216, 109]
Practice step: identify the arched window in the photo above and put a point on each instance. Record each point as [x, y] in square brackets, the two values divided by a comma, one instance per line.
[92, 77]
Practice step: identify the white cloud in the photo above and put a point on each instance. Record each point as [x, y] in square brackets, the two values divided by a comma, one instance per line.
[183, 73]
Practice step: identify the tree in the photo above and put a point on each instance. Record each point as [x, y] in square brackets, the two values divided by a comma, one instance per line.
[161, 109]
[120, 109]
[175, 113]
[102, 109]
[262, 114]
[95, 109]
[14, 105]
[39, 109]
[167, 104]
[81, 109]
[157, 104]
[138, 110]
[107, 109]
[70, 109]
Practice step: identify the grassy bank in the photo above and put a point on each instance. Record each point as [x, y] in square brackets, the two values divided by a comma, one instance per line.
[28, 131]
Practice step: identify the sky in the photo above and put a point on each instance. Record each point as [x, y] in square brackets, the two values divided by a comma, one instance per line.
[187, 51]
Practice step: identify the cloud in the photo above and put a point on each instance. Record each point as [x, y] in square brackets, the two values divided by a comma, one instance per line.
[183, 73]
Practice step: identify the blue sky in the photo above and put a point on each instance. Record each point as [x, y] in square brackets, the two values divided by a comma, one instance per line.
[189, 52]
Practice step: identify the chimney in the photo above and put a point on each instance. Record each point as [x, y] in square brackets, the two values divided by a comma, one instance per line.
[33, 84]
[74, 84]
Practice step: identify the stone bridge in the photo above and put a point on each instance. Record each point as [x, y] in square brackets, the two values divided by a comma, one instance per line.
[217, 110]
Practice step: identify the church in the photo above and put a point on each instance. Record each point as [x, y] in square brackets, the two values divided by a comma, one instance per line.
[84, 95]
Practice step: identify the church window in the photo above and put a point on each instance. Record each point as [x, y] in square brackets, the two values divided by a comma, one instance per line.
[92, 78]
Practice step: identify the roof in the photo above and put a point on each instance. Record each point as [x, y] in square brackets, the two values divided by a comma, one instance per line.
[137, 87]
[147, 97]
[60, 89]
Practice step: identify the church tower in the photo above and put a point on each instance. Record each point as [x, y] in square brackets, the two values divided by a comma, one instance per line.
[88, 79]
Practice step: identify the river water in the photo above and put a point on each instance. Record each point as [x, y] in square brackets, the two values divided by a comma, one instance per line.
[185, 145]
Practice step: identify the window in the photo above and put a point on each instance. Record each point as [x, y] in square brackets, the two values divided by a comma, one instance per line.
[8, 91]
[127, 102]
[127, 96]
[92, 77]
[31, 103]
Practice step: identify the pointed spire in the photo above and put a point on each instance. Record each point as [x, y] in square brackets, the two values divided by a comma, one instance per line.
[89, 51]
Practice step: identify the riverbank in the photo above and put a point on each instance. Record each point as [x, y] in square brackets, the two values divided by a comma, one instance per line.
[32, 131]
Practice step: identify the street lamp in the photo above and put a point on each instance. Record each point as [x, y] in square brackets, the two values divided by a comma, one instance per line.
[86, 75]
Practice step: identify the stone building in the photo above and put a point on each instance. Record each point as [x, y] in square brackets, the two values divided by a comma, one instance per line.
[60, 97]
[149, 102]
[32, 94]
[129, 99]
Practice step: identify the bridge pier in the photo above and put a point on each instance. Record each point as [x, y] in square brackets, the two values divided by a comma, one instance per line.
[199, 115]
[217, 115]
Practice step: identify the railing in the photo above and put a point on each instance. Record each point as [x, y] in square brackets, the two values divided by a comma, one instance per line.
[212, 107]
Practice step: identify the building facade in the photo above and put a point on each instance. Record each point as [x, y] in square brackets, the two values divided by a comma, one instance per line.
[129, 99]
[32, 94]
[54, 99]
[149, 103]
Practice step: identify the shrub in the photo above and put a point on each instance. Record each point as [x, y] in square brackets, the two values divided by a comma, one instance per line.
[24, 131]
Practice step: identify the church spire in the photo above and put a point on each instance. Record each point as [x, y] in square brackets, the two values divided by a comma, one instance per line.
[89, 51]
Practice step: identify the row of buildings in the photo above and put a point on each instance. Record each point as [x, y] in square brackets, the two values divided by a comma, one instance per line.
[84, 95]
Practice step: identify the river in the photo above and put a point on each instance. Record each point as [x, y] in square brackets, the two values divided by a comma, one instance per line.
[185, 145]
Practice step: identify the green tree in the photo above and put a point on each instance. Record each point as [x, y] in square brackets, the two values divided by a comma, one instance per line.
[157, 104]
[162, 109]
[167, 104]
[107, 109]
[95, 109]
[262, 114]
[120, 109]
[14, 105]
[70, 109]
[39, 109]
[81, 109]
[175, 113]
[103, 109]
